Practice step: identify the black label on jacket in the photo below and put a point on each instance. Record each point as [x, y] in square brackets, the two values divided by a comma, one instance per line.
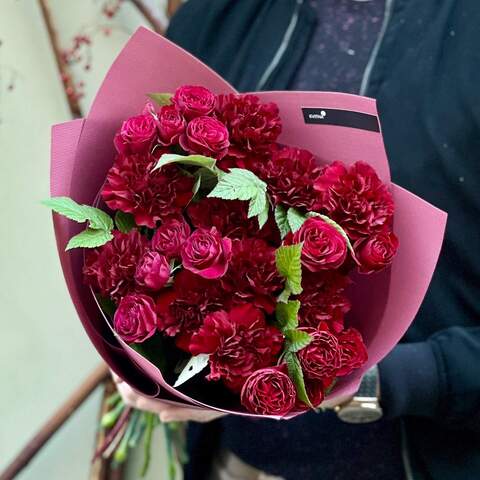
[341, 118]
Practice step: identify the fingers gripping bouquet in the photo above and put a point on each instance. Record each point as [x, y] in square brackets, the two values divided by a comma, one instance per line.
[248, 252]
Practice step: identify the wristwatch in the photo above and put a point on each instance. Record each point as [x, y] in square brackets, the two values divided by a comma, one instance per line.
[364, 407]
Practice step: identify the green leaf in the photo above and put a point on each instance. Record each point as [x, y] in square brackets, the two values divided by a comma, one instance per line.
[289, 266]
[160, 98]
[338, 227]
[263, 216]
[89, 238]
[282, 220]
[257, 205]
[124, 221]
[297, 339]
[194, 160]
[287, 315]
[195, 365]
[296, 374]
[284, 295]
[67, 207]
[295, 219]
[238, 184]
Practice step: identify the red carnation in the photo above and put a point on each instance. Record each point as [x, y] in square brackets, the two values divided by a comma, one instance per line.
[323, 248]
[268, 391]
[133, 187]
[111, 268]
[238, 342]
[252, 124]
[169, 238]
[321, 358]
[181, 310]
[290, 174]
[194, 101]
[323, 299]
[377, 252]
[253, 276]
[228, 217]
[356, 199]
[352, 351]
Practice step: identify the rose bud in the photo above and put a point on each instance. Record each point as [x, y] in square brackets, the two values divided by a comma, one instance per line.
[135, 319]
[153, 271]
[206, 253]
[136, 135]
[321, 358]
[353, 351]
[194, 101]
[324, 247]
[377, 252]
[206, 136]
[171, 125]
[268, 391]
[170, 236]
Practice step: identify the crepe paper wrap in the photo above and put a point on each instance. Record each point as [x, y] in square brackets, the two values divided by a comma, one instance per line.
[334, 126]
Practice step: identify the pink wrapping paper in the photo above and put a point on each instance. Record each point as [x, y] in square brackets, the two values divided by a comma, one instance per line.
[384, 305]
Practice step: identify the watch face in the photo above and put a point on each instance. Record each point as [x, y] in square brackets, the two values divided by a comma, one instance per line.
[359, 414]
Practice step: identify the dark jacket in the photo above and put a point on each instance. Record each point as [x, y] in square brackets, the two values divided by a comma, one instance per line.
[425, 74]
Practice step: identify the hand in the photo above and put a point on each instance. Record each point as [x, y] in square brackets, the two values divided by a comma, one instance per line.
[166, 411]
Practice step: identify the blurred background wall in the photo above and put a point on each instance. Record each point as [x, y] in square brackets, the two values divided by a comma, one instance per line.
[45, 354]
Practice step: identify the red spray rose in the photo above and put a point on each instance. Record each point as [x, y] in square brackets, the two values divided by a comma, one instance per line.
[170, 236]
[323, 299]
[206, 253]
[132, 187]
[153, 271]
[206, 136]
[268, 391]
[253, 276]
[181, 310]
[171, 125]
[238, 342]
[353, 351]
[135, 319]
[377, 252]
[252, 124]
[356, 199]
[194, 101]
[321, 358]
[136, 135]
[111, 268]
[323, 245]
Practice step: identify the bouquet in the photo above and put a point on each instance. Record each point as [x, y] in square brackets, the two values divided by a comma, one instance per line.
[243, 252]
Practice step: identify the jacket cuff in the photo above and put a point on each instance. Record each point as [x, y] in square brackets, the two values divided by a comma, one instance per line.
[409, 381]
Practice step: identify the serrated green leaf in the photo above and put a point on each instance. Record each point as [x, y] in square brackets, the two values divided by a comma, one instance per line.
[98, 219]
[338, 227]
[297, 339]
[194, 160]
[263, 216]
[287, 315]
[89, 238]
[124, 221]
[160, 98]
[296, 375]
[238, 184]
[282, 220]
[284, 296]
[195, 365]
[257, 205]
[295, 219]
[288, 261]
